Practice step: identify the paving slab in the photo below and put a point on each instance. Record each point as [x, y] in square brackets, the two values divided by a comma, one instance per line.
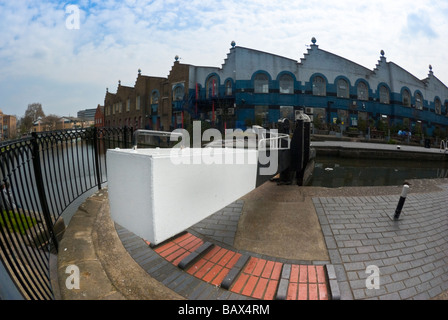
[410, 255]
[285, 229]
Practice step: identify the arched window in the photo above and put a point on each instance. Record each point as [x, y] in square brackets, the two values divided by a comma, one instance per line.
[343, 89]
[286, 84]
[384, 95]
[406, 98]
[319, 86]
[362, 91]
[229, 88]
[155, 97]
[438, 106]
[178, 93]
[261, 83]
[418, 101]
[212, 87]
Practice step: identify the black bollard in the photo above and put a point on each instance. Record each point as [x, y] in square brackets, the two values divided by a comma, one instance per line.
[297, 147]
[306, 142]
[303, 128]
[403, 196]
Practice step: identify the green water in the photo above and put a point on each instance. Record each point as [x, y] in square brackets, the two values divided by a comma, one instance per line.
[334, 172]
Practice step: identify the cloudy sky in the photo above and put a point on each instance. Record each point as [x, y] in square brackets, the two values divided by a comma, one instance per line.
[47, 57]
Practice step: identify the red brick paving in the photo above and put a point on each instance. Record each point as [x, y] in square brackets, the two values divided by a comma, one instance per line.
[307, 282]
[174, 251]
[214, 265]
[258, 279]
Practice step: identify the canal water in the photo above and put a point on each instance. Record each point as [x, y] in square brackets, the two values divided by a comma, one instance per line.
[335, 172]
[68, 172]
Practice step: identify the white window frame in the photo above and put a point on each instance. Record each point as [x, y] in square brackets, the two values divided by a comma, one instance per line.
[319, 87]
[384, 94]
[343, 90]
[261, 83]
[289, 81]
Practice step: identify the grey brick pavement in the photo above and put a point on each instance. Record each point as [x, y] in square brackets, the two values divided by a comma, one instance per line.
[411, 254]
[222, 225]
[169, 275]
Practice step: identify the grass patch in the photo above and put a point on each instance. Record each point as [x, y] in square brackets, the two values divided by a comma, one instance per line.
[16, 222]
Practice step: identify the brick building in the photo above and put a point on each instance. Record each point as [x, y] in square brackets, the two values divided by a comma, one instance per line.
[57, 123]
[256, 87]
[138, 106]
[120, 107]
[99, 117]
[8, 128]
[149, 94]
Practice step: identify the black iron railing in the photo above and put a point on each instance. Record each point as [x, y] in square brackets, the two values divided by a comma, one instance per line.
[41, 176]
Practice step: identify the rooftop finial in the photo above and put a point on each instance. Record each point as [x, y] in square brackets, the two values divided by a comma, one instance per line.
[313, 40]
[233, 44]
[176, 58]
[382, 53]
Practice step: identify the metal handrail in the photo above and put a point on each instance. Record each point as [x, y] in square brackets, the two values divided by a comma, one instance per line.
[152, 133]
[275, 142]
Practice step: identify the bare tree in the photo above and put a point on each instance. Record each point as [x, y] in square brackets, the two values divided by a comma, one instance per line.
[51, 121]
[32, 113]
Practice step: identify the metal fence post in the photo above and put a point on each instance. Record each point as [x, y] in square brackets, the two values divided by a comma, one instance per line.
[131, 135]
[41, 189]
[125, 137]
[97, 156]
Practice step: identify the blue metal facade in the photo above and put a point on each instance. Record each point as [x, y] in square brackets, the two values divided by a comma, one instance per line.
[245, 100]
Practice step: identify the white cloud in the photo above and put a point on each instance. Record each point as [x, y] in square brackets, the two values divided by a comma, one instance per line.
[68, 70]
